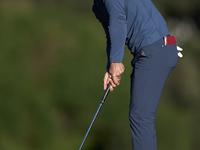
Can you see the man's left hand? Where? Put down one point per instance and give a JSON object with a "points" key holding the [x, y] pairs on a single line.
{"points": [[115, 72]]}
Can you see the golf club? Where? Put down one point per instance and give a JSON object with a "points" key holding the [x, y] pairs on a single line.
{"points": [[101, 103]]}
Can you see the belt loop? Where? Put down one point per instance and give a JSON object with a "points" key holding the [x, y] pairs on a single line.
{"points": [[165, 39]]}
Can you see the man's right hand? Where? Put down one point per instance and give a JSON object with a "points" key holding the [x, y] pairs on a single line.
{"points": [[113, 76]]}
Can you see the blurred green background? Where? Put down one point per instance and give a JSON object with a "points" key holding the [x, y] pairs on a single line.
{"points": [[52, 62]]}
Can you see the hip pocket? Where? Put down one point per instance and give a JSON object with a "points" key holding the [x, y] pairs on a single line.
{"points": [[172, 55]]}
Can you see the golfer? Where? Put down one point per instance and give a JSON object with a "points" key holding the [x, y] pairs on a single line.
{"points": [[139, 25]]}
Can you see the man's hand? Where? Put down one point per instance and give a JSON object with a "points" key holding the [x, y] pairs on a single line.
{"points": [[114, 75]]}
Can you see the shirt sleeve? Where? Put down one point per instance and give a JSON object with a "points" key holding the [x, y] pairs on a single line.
{"points": [[117, 29]]}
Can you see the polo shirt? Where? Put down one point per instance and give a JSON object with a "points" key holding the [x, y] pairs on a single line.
{"points": [[136, 23]]}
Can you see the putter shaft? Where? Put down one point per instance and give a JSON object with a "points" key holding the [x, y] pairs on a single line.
{"points": [[101, 103], [90, 125]]}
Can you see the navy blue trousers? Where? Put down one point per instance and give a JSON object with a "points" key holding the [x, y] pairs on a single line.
{"points": [[151, 68]]}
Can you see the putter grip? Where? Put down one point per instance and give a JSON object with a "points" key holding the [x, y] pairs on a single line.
{"points": [[106, 93]]}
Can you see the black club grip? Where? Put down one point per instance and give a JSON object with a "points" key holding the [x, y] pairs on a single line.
{"points": [[106, 93]]}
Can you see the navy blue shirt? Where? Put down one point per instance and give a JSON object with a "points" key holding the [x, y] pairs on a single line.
{"points": [[136, 23]]}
